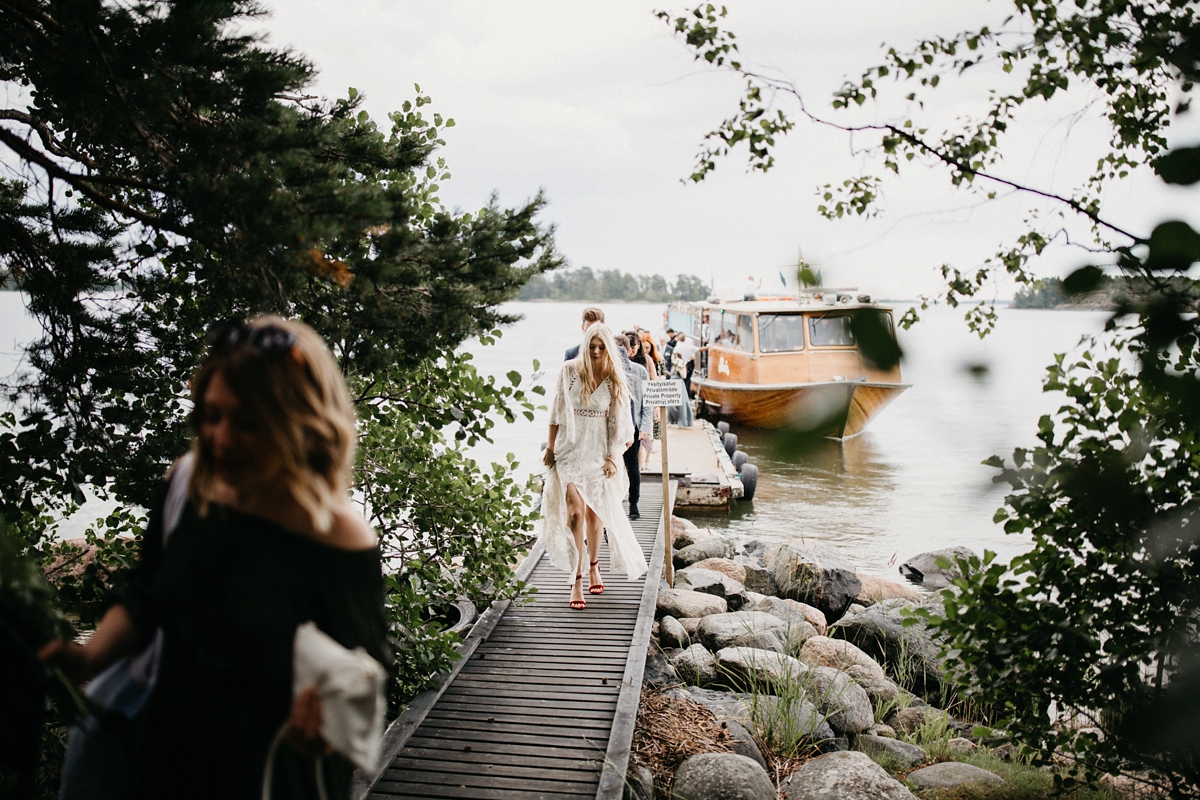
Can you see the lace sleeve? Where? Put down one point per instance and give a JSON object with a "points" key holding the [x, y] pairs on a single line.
{"points": [[560, 408]]}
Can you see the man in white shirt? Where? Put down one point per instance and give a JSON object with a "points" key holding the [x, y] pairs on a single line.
{"points": [[686, 352]]}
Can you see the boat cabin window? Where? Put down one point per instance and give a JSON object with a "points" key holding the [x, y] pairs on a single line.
{"points": [[833, 331], [735, 332], [780, 333]]}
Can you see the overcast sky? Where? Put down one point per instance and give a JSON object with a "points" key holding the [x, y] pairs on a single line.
{"points": [[601, 107]]}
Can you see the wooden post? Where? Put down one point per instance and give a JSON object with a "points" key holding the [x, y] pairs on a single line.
{"points": [[668, 535]]}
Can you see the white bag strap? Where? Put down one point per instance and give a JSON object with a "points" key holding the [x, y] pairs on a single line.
{"points": [[177, 493]]}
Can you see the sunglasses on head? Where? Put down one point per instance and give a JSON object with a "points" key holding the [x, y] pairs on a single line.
{"points": [[266, 340]]}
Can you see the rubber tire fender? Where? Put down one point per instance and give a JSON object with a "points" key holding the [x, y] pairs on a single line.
{"points": [[749, 481]]}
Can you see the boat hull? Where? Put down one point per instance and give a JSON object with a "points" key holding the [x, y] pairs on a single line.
{"points": [[839, 409]]}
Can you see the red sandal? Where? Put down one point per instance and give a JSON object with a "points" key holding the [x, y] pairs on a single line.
{"points": [[578, 605], [595, 588]]}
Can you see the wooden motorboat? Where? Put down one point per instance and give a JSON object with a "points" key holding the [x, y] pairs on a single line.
{"points": [[789, 362]]}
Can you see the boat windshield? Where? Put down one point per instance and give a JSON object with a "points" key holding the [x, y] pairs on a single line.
{"points": [[832, 331], [780, 333]]}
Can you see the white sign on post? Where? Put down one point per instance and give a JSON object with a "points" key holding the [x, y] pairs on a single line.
{"points": [[662, 393]]}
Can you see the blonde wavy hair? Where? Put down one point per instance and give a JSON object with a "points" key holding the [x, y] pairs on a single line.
{"points": [[611, 370], [299, 403]]}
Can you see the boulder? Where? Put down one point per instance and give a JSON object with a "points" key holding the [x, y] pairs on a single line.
{"points": [[879, 729], [908, 652], [821, 651], [721, 776], [690, 624], [952, 774], [672, 634], [639, 783], [744, 629], [925, 571], [793, 611], [848, 775], [914, 717], [695, 665], [879, 687], [725, 566], [961, 745], [875, 589], [844, 703], [907, 755], [814, 575], [755, 548], [753, 599], [725, 705], [742, 668], [789, 718], [712, 582], [717, 547], [684, 533], [658, 673], [743, 742], [680, 603], [759, 579]]}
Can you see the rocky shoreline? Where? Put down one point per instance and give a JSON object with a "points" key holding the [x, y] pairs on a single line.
{"points": [[790, 647]]}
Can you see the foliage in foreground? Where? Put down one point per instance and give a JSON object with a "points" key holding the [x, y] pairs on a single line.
{"points": [[1099, 620], [173, 172]]}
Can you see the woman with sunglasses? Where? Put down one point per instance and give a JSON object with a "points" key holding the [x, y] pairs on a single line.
{"points": [[591, 427], [267, 540]]}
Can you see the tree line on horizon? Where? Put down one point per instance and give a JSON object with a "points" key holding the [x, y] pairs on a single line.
{"points": [[612, 284], [1109, 292]]}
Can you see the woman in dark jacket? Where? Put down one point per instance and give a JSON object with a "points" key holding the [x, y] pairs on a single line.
{"points": [[268, 540]]}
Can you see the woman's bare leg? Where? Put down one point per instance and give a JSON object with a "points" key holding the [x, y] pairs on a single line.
{"points": [[577, 514], [595, 532]]}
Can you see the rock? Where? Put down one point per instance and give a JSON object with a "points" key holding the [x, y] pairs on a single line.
{"points": [[742, 668], [712, 582], [879, 729], [655, 630], [875, 589], [759, 579], [907, 755], [755, 548], [924, 569], [743, 743], [744, 629], [672, 634], [821, 651], [725, 566], [680, 603], [793, 611], [721, 776], [855, 608], [725, 705], [951, 774], [834, 744], [717, 547], [844, 703], [1004, 752], [684, 533], [695, 665], [961, 745], [659, 673], [753, 599], [878, 687], [814, 575], [848, 775], [788, 718], [907, 651], [911, 718], [690, 624], [639, 783]]}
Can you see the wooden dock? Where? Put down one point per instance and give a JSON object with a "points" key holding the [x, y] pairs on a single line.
{"points": [[697, 460], [543, 701]]}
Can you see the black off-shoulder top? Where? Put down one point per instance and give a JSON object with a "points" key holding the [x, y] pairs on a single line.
{"points": [[229, 590]]}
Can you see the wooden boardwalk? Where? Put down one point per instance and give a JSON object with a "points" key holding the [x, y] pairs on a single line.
{"points": [[544, 700]]}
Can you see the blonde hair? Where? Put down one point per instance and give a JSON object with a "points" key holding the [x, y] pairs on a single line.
{"points": [[300, 405], [610, 370]]}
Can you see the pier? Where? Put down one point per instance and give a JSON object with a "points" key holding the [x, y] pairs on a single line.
{"points": [[543, 700]]}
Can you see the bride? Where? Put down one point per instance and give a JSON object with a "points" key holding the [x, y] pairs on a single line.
{"points": [[591, 426]]}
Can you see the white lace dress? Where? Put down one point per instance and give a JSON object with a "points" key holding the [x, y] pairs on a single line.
{"points": [[587, 434]]}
